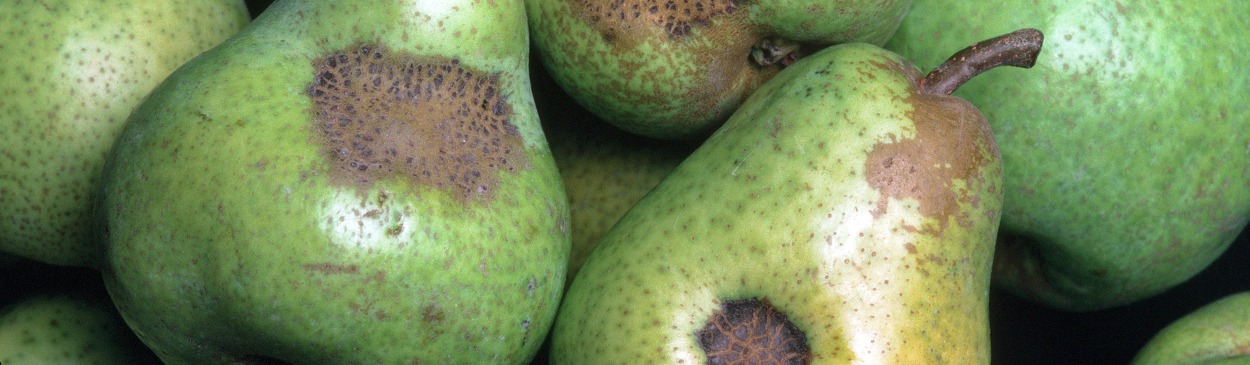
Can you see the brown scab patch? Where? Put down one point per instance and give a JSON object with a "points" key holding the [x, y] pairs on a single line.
{"points": [[429, 120], [752, 331], [677, 17], [952, 142]]}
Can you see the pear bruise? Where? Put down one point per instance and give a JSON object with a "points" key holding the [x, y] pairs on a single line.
{"points": [[752, 331], [429, 120]]}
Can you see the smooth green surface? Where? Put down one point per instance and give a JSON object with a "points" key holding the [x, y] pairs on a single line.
{"points": [[1217, 333], [1126, 149], [67, 329], [70, 73], [777, 205], [644, 79], [229, 242]]}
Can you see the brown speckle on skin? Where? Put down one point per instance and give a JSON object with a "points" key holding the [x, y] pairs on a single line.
{"points": [[332, 268], [430, 120], [677, 17]]}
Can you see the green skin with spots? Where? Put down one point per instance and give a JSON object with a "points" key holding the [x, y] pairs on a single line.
{"points": [[1126, 148], [1216, 334], [648, 81], [70, 73], [230, 243], [68, 329], [778, 205]]}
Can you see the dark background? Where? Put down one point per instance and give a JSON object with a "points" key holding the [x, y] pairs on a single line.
{"points": [[1022, 333]]}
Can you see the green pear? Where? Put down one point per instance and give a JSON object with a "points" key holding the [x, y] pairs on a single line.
{"points": [[1126, 151], [677, 69], [342, 183], [1217, 333], [845, 214], [68, 328], [70, 73], [605, 170]]}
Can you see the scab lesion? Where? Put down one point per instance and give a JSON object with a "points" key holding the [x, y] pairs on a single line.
{"points": [[752, 331], [677, 17], [429, 120]]}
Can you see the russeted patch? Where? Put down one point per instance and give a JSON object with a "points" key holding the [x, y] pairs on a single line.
{"points": [[429, 120]]}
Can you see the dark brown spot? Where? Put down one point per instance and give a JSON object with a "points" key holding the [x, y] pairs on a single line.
{"points": [[395, 230], [952, 142], [752, 331], [429, 120], [432, 314]]}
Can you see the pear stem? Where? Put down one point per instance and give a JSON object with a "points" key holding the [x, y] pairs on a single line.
{"points": [[1019, 48], [770, 51]]}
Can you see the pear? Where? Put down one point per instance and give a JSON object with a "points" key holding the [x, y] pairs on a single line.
{"points": [[62, 330], [66, 322], [846, 213], [677, 69], [1126, 151], [1217, 333], [70, 73], [605, 170], [342, 183]]}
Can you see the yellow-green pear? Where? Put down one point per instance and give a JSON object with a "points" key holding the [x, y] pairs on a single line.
{"points": [[70, 73], [846, 214]]}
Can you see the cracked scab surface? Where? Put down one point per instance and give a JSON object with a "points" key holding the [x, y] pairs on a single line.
{"points": [[429, 120], [752, 331], [677, 17]]}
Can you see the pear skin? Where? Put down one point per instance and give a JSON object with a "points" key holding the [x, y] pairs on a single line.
{"points": [[71, 71], [342, 183], [845, 214]]}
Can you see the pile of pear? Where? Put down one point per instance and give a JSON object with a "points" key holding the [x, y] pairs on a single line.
{"points": [[590, 181], [1126, 171]]}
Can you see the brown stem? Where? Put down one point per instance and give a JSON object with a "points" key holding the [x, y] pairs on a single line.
{"points": [[770, 51], [1018, 48]]}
